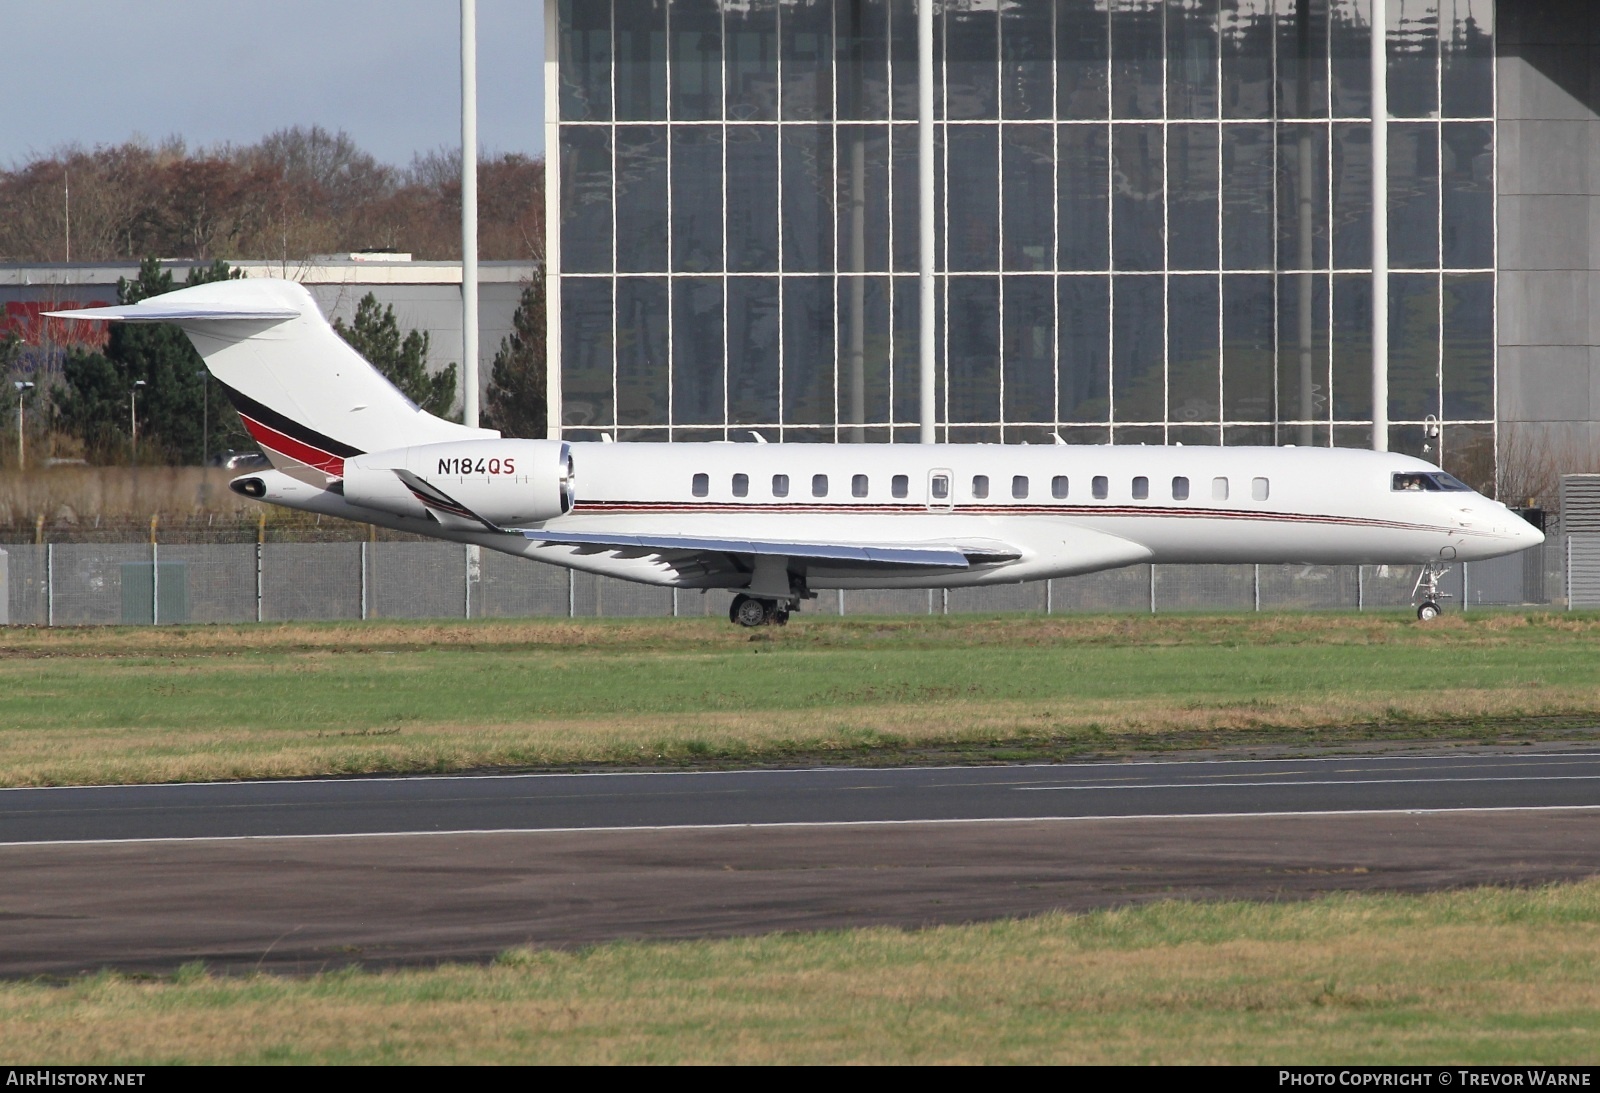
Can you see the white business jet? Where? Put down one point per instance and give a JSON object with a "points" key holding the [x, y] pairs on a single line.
{"points": [[776, 523]]}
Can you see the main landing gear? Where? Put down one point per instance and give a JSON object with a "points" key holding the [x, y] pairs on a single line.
{"points": [[754, 611], [1426, 592]]}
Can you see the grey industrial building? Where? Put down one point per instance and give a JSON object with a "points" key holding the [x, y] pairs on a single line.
{"points": [[1153, 221], [425, 295]]}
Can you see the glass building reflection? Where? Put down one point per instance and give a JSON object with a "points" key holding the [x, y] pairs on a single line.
{"points": [[1153, 220]]}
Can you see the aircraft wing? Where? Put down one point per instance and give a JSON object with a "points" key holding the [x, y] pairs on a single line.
{"points": [[946, 555]]}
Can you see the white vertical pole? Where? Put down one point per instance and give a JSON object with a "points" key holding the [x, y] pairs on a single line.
{"points": [[552, 221], [50, 584], [258, 580], [1255, 583], [1361, 591], [155, 583], [1380, 226], [925, 213], [1152, 588], [469, 211], [363, 580]]}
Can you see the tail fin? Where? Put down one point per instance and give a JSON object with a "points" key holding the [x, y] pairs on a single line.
{"points": [[309, 399]]}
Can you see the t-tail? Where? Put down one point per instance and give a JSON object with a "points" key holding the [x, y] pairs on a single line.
{"points": [[330, 421], [309, 400]]}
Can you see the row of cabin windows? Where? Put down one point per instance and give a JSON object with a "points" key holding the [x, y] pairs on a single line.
{"points": [[939, 487]]}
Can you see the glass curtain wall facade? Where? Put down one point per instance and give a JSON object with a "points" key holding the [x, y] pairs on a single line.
{"points": [[1153, 220]]}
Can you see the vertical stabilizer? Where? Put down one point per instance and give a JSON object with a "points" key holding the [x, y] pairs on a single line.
{"points": [[307, 397]]}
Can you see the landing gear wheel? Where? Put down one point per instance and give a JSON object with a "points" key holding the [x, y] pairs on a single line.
{"points": [[1425, 593], [747, 611]]}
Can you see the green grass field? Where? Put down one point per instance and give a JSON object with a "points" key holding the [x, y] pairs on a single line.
{"points": [[201, 702], [1475, 977]]}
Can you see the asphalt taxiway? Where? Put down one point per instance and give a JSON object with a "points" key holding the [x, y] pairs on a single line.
{"points": [[300, 875]]}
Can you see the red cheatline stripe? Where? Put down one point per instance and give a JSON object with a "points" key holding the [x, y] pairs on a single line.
{"points": [[1075, 512], [288, 446]]}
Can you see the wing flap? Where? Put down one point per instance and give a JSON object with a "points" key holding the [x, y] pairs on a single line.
{"points": [[937, 555]]}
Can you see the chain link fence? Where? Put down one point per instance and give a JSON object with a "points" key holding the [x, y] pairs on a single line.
{"points": [[73, 584]]}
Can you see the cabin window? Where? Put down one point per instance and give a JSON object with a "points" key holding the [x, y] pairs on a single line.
{"points": [[939, 486], [858, 486], [1219, 489], [1102, 487], [1141, 488], [980, 486], [900, 485], [702, 485], [1180, 489], [1058, 487], [819, 485], [1019, 486], [741, 485], [780, 485], [1259, 488]]}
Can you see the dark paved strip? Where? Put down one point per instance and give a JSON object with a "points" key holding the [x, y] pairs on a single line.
{"points": [[534, 802], [301, 905]]}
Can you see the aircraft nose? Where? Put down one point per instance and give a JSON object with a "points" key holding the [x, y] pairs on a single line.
{"points": [[1527, 534]]}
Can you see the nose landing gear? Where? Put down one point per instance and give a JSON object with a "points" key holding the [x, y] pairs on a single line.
{"points": [[1426, 590], [754, 611]]}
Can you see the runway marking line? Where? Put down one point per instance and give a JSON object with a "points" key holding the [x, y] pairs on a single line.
{"points": [[799, 824], [1327, 782]]}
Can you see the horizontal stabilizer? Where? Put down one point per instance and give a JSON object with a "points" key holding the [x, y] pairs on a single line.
{"points": [[943, 555], [154, 310]]}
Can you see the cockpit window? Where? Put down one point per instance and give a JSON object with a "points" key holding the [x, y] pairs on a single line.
{"points": [[1428, 481]]}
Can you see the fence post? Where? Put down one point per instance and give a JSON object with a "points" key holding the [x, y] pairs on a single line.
{"points": [[841, 603], [1256, 584], [674, 602], [363, 580], [1152, 588], [155, 575], [261, 539], [1361, 599], [471, 555], [1466, 596], [50, 584], [1049, 597], [572, 594], [944, 601]]}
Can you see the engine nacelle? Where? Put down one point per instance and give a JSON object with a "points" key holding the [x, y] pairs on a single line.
{"points": [[509, 483]]}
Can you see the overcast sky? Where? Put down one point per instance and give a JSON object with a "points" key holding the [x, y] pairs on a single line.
{"points": [[385, 71]]}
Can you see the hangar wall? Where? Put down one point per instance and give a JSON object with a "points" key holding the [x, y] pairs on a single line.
{"points": [[1549, 211]]}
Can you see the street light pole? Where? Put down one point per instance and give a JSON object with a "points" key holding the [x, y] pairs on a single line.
{"points": [[205, 417], [22, 386], [133, 421]]}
